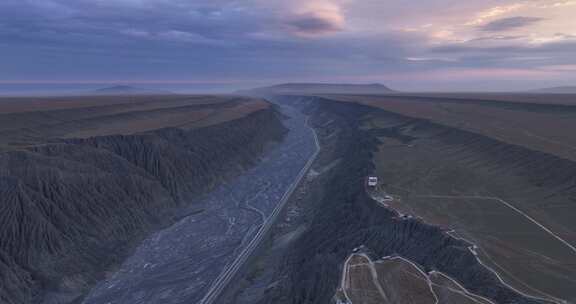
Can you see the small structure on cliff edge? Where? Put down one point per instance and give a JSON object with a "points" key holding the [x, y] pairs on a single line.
{"points": [[372, 181]]}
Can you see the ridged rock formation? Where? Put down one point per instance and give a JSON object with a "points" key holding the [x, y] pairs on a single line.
{"points": [[72, 209], [344, 217]]}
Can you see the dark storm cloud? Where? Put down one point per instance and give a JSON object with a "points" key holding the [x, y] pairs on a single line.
{"points": [[510, 23]]}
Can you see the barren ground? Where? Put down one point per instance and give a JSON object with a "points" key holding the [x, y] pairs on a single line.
{"points": [[538, 122], [31, 121], [510, 202], [395, 280]]}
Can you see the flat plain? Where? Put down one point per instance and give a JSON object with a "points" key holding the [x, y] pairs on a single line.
{"points": [[499, 174], [27, 121], [395, 280], [83, 180], [449, 291], [540, 122]]}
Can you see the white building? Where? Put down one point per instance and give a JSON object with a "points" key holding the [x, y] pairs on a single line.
{"points": [[372, 181]]}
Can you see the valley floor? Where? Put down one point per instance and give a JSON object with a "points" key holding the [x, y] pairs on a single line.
{"points": [[179, 264], [337, 244]]}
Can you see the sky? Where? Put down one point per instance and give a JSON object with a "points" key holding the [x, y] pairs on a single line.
{"points": [[424, 45]]}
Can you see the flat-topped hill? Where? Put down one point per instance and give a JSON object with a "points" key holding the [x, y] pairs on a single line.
{"points": [[319, 88], [29, 121]]}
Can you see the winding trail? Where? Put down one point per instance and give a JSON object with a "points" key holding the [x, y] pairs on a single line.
{"points": [[473, 249], [572, 248], [344, 285]]}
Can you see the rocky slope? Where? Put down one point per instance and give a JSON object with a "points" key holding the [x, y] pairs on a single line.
{"points": [[72, 209], [334, 215]]}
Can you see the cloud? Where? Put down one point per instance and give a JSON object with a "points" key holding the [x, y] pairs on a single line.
{"points": [[496, 37], [182, 36], [509, 23], [174, 36], [558, 3], [278, 39], [496, 11], [314, 24], [557, 48], [313, 18], [135, 33], [560, 68]]}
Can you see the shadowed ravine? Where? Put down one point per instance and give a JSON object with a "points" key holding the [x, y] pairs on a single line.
{"points": [[75, 208], [336, 215], [180, 263], [183, 205]]}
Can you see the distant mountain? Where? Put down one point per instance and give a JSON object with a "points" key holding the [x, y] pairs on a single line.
{"points": [[320, 88], [128, 90], [558, 90]]}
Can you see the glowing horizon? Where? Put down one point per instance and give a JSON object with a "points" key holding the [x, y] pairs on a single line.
{"points": [[432, 44]]}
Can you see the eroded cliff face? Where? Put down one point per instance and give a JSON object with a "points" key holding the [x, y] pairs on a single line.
{"points": [[323, 226], [71, 209]]}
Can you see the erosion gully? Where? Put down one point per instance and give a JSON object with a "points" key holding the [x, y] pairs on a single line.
{"points": [[301, 260], [332, 216], [181, 263]]}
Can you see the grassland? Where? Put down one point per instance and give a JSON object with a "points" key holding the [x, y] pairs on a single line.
{"points": [[359, 284], [539, 122], [487, 97], [30, 121], [443, 163], [524, 254], [395, 280], [448, 291]]}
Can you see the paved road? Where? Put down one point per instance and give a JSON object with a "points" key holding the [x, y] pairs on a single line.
{"points": [[182, 263], [225, 277]]}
